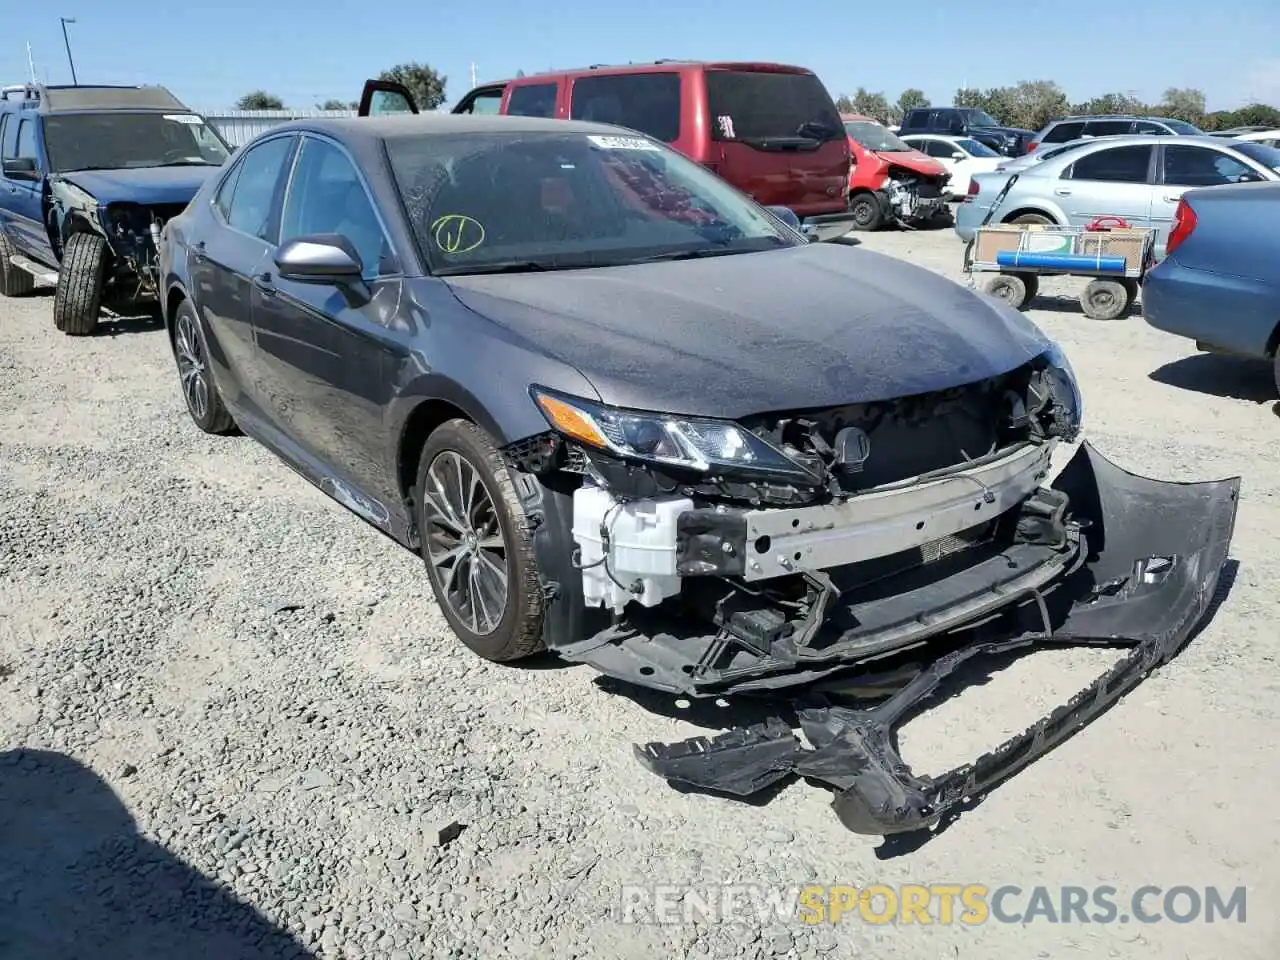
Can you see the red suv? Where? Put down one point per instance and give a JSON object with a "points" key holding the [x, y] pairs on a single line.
{"points": [[771, 130]]}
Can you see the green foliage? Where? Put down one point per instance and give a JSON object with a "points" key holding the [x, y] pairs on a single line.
{"points": [[336, 105], [259, 100], [422, 81]]}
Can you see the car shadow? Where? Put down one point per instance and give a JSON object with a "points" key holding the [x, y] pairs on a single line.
{"points": [[715, 716], [78, 881], [1237, 378], [1062, 303]]}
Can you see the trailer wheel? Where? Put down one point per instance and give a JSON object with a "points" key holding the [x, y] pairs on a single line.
{"points": [[1104, 299], [1009, 287], [866, 212]]}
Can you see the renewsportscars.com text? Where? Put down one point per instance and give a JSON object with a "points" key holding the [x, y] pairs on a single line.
{"points": [[941, 904]]}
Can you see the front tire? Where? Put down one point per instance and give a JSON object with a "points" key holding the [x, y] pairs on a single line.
{"points": [[199, 390], [866, 212], [478, 545], [80, 280], [13, 281], [1031, 218]]}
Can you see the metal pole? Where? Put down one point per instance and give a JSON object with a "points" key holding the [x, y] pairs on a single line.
{"points": [[65, 21]]}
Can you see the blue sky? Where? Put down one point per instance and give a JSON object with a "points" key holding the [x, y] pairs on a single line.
{"points": [[310, 51]]}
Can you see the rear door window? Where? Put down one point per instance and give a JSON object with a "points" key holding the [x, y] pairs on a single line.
{"points": [[1064, 132], [1117, 165], [1107, 128], [647, 102], [760, 105], [26, 139], [1150, 127], [1189, 166], [532, 100]]}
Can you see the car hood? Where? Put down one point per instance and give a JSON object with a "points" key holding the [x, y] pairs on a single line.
{"points": [[799, 328], [144, 185], [913, 160]]}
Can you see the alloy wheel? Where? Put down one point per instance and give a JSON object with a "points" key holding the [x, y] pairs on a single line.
{"points": [[464, 542], [191, 366]]}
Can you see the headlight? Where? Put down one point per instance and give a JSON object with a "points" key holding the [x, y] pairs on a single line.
{"points": [[1064, 379], [692, 443]]}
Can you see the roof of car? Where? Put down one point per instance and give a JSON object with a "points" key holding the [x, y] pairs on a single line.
{"points": [[1131, 139], [1110, 116], [77, 98], [399, 126]]}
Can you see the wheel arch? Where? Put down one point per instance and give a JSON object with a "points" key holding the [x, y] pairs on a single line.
{"points": [[1038, 211], [425, 412]]}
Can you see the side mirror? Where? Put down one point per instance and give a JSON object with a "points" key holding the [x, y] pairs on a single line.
{"points": [[21, 168], [787, 216], [959, 155], [320, 258], [1249, 177]]}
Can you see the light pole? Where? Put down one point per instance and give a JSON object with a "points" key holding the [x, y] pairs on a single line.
{"points": [[65, 21]]}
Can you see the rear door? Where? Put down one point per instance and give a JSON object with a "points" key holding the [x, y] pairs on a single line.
{"points": [[1114, 182], [537, 98], [381, 97], [776, 134]]}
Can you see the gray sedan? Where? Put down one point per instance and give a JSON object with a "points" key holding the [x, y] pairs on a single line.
{"points": [[1138, 177]]}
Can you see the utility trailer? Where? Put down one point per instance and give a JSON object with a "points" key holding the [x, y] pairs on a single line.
{"points": [[1115, 254]]}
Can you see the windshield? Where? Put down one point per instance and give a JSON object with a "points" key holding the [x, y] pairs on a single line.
{"points": [[976, 149], [980, 118], [872, 136], [1259, 153], [1183, 129], [757, 105], [492, 202], [117, 141]]}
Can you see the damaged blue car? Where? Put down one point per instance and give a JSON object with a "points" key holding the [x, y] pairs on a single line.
{"points": [[90, 174]]}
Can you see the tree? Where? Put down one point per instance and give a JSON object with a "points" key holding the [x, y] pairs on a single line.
{"points": [[873, 105], [844, 104], [259, 100], [910, 99], [422, 81], [1183, 104], [1111, 104], [336, 105], [519, 73]]}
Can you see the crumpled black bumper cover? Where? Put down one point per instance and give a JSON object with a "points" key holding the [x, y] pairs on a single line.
{"points": [[1156, 552]]}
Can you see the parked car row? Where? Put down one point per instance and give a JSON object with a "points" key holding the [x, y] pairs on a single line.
{"points": [[1136, 177]]}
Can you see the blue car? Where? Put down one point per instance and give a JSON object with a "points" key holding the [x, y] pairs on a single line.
{"points": [[1219, 283], [88, 177]]}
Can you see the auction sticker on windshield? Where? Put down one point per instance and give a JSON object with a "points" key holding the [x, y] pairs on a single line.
{"points": [[183, 117], [622, 143]]}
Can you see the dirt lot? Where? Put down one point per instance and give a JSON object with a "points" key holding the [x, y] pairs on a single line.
{"points": [[232, 722]]}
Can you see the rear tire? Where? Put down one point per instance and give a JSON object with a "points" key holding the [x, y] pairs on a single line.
{"points": [[80, 280], [866, 212], [478, 544], [14, 282]]}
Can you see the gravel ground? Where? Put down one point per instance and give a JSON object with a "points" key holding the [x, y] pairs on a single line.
{"points": [[233, 724]]}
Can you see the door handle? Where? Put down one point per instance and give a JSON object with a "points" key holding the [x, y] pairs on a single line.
{"points": [[1060, 192], [1172, 197], [198, 250], [263, 282]]}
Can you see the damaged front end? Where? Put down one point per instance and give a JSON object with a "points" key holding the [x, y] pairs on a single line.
{"points": [[912, 198], [131, 231], [796, 551]]}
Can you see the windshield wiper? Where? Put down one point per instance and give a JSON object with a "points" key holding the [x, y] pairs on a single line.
{"points": [[190, 163], [523, 266], [689, 255]]}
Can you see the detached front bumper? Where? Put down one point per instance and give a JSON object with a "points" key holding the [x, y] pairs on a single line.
{"points": [[1151, 556]]}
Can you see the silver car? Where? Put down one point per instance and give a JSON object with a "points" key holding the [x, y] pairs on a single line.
{"points": [[1138, 177]]}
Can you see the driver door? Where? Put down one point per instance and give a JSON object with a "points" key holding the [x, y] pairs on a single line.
{"points": [[383, 97]]}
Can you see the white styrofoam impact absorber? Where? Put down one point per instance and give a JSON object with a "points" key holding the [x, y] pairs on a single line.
{"points": [[642, 547]]}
